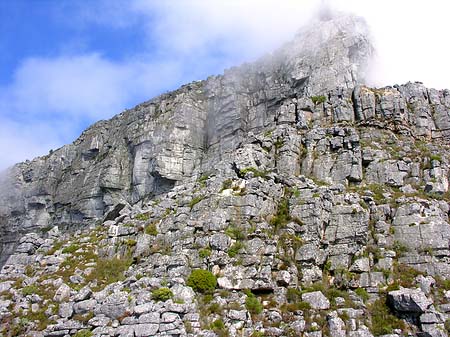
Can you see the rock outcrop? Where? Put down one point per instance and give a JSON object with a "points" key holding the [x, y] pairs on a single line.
{"points": [[313, 204], [147, 150]]}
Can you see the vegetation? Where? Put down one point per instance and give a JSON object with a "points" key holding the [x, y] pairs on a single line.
{"points": [[226, 184], [400, 248], [151, 229], [282, 216], [71, 249], [447, 324], [361, 292], [235, 232], [56, 246], [235, 248], [218, 326], [318, 99], [162, 294], [204, 253], [202, 180], [436, 157], [195, 201], [108, 271], [253, 304], [255, 171], [383, 321], [202, 281], [83, 333], [142, 217], [30, 290], [293, 295], [279, 143], [404, 275]]}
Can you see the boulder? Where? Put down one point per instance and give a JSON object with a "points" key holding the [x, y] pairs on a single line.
{"points": [[316, 300], [409, 300]]}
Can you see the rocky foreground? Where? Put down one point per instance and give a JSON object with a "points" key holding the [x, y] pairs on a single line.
{"points": [[305, 204]]}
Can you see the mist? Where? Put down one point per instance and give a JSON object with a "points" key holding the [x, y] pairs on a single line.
{"points": [[51, 99]]}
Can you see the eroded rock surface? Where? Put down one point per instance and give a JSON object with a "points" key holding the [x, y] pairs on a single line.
{"points": [[319, 205]]}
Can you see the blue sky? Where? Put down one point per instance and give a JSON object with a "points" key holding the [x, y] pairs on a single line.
{"points": [[68, 63]]}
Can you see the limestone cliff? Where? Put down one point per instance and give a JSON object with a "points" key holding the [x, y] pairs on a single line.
{"points": [[147, 150], [319, 206]]}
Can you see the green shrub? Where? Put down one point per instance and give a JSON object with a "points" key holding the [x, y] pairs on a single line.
{"points": [[215, 308], [131, 243], [279, 143], [442, 283], [235, 248], [293, 295], [235, 232], [287, 240], [377, 190], [383, 321], [361, 292], [30, 290], [142, 217], [400, 248], [253, 304], [447, 324], [255, 171], [218, 326], [318, 99], [195, 201], [436, 157], [29, 271], [226, 184], [162, 294], [257, 334], [202, 180], [83, 318], [151, 229], [83, 333], [282, 216], [302, 305], [405, 275], [109, 271], [71, 249], [202, 281], [204, 253]]}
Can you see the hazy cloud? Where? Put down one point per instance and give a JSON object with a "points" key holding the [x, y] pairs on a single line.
{"points": [[50, 100], [410, 39]]}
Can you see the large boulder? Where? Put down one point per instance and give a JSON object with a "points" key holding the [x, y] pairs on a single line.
{"points": [[409, 300], [316, 300]]}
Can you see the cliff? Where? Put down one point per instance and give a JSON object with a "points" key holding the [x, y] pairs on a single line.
{"points": [[317, 203]]}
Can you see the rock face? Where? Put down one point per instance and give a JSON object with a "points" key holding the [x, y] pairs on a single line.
{"points": [[308, 196], [147, 150], [409, 300]]}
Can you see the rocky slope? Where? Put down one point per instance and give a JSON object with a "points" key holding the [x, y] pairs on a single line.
{"points": [[311, 204]]}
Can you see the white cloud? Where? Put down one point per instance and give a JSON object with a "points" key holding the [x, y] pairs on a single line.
{"points": [[234, 28], [410, 39], [50, 100], [20, 141], [190, 39]]}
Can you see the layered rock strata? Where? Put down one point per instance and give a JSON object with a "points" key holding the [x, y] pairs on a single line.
{"points": [[319, 205]]}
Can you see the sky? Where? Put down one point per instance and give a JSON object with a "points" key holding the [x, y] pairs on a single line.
{"points": [[65, 64]]}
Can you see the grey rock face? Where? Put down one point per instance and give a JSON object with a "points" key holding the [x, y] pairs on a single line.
{"points": [[282, 178], [147, 150], [84, 306], [317, 300], [409, 300]]}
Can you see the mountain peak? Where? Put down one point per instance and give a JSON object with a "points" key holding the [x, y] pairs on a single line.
{"points": [[332, 52]]}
